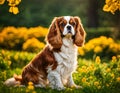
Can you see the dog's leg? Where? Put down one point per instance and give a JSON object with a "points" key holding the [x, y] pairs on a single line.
{"points": [[71, 83], [55, 80], [39, 85]]}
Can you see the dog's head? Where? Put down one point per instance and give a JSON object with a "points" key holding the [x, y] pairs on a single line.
{"points": [[66, 26]]}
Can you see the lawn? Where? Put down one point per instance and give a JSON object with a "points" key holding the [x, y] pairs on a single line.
{"points": [[95, 76]]}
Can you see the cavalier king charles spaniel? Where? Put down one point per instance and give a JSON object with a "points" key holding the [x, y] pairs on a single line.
{"points": [[54, 65]]}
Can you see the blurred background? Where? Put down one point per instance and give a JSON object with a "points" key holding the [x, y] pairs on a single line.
{"points": [[30, 25], [41, 12]]}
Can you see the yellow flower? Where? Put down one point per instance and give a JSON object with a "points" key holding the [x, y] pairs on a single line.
{"points": [[104, 64], [81, 51], [113, 0], [99, 87], [9, 63], [16, 57], [90, 68], [30, 87], [91, 77], [112, 75], [88, 84], [106, 8], [118, 56], [114, 59], [110, 40], [33, 45], [88, 46], [92, 65], [107, 85], [13, 2], [96, 83], [111, 6], [14, 10], [4, 74], [30, 83], [17, 2], [3, 51], [107, 1], [97, 49], [83, 79], [98, 60], [34, 92], [118, 79], [2, 2], [108, 70], [118, 69], [83, 67]]}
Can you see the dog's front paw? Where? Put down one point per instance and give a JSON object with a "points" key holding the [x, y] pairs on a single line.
{"points": [[58, 88], [76, 86]]}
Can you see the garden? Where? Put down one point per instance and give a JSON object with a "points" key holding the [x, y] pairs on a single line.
{"points": [[98, 62], [24, 26]]}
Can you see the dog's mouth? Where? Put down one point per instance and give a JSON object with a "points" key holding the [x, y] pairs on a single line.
{"points": [[68, 35], [69, 31]]}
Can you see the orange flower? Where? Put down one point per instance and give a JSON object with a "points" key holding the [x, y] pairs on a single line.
{"points": [[118, 79], [2, 2]]}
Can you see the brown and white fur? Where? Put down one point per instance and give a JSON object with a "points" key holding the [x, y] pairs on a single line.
{"points": [[55, 64]]}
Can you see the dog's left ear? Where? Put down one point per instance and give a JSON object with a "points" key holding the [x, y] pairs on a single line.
{"points": [[54, 35], [80, 34]]}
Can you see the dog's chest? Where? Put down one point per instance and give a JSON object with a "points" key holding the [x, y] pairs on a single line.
{"points": [[67, 58]]}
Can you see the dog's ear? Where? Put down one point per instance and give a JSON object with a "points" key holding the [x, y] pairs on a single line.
{"points": [[80, 34], [54, 35]]}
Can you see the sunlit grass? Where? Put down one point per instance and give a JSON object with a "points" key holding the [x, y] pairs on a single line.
{"points": [[95, 76]]}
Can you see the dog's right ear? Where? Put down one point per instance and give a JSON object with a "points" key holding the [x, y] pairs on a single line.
{"points": [[80, 35], [54, 35]]}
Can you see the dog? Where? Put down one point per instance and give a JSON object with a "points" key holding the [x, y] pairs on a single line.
{"points": [[54, 65]]}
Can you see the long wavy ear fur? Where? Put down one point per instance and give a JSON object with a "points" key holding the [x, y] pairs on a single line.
{"points": [[54, 35], [80, 33]]}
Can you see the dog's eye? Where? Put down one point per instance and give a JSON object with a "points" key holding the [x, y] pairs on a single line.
{"points": [[73, 24], [62, 24]]}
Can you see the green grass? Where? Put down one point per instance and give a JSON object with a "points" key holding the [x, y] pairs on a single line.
{"points": [[95, 76]]}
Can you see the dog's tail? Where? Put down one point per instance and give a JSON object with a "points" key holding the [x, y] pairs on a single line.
{"points": [[14, 81]]}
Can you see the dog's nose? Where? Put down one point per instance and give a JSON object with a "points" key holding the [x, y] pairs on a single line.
{"points": [[68, 27]]}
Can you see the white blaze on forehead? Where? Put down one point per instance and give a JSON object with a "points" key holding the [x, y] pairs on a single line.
{"points": [[67, 18], [65, 32]]}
